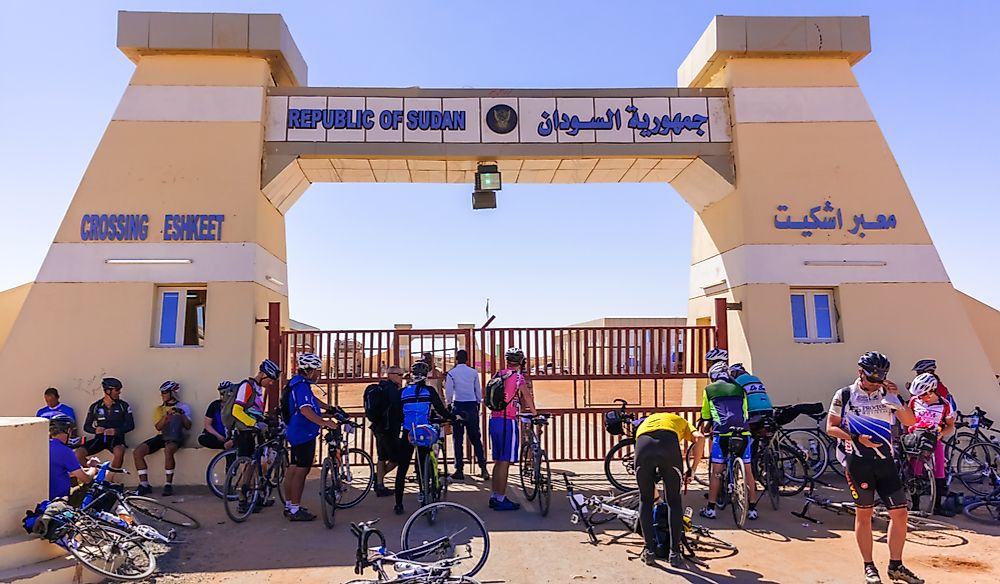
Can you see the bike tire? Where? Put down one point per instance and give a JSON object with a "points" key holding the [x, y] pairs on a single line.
{"points": [[329, 491], [773, 478], [979, 467], [356, 478], [525, 469], [833, 461], [956, 444], [543, 481], [159, 512], [409, 540], [986, 511], [430, 491], [215, 473], [697, 476], [237, 471], [793, 471], [100, 548], [811, 445], [276, 475], [619, 465], [926, 485], [741, 493]]}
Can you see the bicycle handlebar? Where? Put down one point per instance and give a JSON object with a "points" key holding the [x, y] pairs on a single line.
{"points": [[622, 402]]}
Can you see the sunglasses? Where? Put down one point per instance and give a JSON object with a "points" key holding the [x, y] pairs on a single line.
{"points": [[871, 379]]}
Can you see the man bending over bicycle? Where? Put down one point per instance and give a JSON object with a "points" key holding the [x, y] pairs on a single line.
{"points": [[417, 398], [658, 455], [725, 407]]}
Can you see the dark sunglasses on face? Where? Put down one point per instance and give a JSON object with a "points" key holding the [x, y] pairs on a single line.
{"points": [[871, 379]]}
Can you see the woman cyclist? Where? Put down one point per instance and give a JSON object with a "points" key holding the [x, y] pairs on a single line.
{"points": [[935, 414]]}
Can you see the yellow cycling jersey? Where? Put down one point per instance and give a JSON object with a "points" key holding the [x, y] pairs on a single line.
{"points": [[667, 421]]}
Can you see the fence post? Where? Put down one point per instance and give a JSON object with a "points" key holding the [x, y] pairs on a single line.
{"points": [[721, 324], [274, 347]]}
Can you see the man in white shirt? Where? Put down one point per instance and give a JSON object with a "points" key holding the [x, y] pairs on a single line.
{"points": [[464, 393]]}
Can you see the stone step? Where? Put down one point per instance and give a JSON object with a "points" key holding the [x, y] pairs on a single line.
{"points": [[23, 550], [61, 570]]}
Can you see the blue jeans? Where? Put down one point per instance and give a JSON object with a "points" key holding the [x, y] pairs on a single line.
{"points": [[470, 411]]}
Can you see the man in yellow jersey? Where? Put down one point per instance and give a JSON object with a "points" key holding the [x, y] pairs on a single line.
{"points": [[658, 455]]}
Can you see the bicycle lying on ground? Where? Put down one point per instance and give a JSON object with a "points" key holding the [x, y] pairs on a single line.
{"points": [[347, 474], [600, 509], [454, 554], [914, 522], [150, 519], [107, 550], [251, 481], [536, 477]]}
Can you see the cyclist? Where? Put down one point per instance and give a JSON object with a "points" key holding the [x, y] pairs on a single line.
{"points": [[171, 419], [386, 415], [215, 435], [54, 409], [504, 432], [862, 415], [725, 406], [63, 464], [303, 428], [248, 413], [936, 415], [108, 419], [417, 400], [930, 366], [658, 455]]}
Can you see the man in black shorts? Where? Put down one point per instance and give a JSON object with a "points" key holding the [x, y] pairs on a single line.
{"points": [[387, 428], [862, 415], [108, 419], [172, 420], [658, 456]]}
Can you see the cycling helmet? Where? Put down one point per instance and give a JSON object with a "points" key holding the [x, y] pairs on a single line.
{"points": [[109, 383], [169, 385], [923, 383], [419, 371], [925, 366], [875, 365], [717, 354], [309, 361], [514, 355], [60, 425], [737, 369], [270, 368], [225, 386], [719, 372]]}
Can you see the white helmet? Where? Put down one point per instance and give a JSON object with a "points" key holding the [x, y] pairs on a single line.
{"points": [[309, 361], [923, 383], [717, 354]]}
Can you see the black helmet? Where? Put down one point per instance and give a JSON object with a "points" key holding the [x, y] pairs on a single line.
{"points": [[109, 383], [419, 371], [60, 425], [875, 365]]}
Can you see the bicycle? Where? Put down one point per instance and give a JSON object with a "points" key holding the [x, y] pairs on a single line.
{"points": [[915, 465], [111, 504], [343, 484], [536, 477], [987, 510], [914, 522], [432, 560], [600, 509], [215, 473], [815, 445], [734, 490], [780, 468], [107, 550], [619, 462], [432, 480], [968, 452], [250, 481]]}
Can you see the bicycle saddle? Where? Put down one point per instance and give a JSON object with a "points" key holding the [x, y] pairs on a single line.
{"points": [[357, 528]]}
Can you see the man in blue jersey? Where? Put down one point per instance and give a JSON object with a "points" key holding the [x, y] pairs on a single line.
{"points": [[758, 402], [303, 428]]}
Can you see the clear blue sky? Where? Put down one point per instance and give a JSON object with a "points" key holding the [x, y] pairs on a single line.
{"points": [[373, 255]]}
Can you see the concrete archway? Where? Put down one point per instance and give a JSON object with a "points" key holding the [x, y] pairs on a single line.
{"points": [[795, 192]]}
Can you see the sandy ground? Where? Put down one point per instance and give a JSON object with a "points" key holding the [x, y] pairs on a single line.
{"points": [[527, 548]]}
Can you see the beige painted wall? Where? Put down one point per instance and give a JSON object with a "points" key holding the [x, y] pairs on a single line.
{"points": [[10, 307], [25, 478], [986, 321]]}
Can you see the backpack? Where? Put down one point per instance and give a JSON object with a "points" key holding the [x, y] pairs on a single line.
{"points": [[285, 404], [416, 414], [661, 529], [226, 411], [377, 404], [495, 392]]}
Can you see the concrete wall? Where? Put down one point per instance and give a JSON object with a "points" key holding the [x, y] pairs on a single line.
{"points": [[986, 322], [25, 477], [10, 307]]}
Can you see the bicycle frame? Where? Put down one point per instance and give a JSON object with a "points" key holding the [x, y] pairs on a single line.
{"points": [[405, 562]]}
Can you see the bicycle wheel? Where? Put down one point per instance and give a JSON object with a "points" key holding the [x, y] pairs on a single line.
{"points": [[526, 469], [793, 471], [619, 465], [920, 487], [772, 478], [956, 444], [275, 482], [986, 511], [154, 512], [215, 474], [812, 447], [740, 497], [329, 490], [464, 529], [833, 461], [979, 466], [543, 482], [109, 551], [242, 482], [357, 477], [706, 463]]}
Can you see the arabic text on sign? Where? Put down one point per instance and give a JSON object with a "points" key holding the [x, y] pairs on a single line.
{"points": [[832, 219]]}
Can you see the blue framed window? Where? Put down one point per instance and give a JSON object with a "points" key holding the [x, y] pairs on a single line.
{"points": [[814, 316], [180, 317]]}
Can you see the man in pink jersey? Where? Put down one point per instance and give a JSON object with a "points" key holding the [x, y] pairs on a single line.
{"points": [[505, 438]]}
